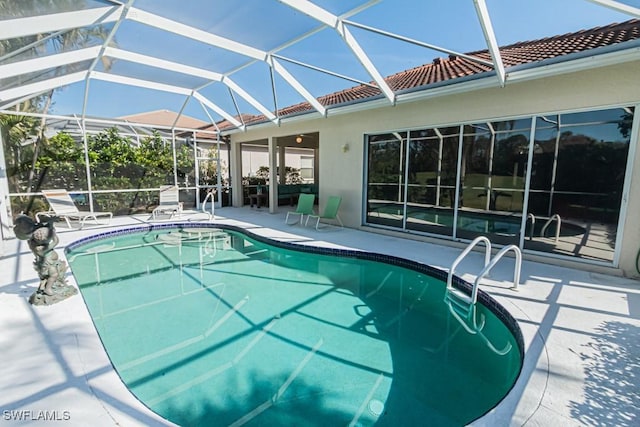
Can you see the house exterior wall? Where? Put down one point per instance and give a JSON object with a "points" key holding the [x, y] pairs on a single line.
{"points": [[341, 173]]}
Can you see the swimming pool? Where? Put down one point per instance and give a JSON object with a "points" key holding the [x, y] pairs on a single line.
{"points": [[213, 326]]}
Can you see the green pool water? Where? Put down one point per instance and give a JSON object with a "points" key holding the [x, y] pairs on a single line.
{"points": [[212, 327]]}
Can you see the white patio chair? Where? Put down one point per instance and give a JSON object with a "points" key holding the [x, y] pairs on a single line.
{"points": [[63, 207], [169, 202]]}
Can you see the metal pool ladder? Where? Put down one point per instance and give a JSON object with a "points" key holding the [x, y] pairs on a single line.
{"points": [[459, 300], [546, 225], [212, 215]]}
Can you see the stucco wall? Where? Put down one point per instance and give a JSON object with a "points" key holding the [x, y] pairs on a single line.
{"points": [[341, 173]]}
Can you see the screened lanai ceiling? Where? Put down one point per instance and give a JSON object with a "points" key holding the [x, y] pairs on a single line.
{"points": [[223, 61]]}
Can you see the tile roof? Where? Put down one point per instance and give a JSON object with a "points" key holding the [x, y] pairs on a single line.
{"points": [[165, 118], [453, 67]]}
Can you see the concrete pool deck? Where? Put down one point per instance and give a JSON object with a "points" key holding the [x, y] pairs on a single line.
{"points": [[580, 328]]}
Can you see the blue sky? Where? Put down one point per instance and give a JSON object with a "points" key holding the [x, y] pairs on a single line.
{"points": [[451, 24]]}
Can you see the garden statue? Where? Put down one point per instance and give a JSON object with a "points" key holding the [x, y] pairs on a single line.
{"points": [[42, 239]]}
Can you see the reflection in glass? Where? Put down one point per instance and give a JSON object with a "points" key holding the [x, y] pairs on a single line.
{"points": [[578, 169], [385, 187], [492, 180], [433, 156], [577, 176]]}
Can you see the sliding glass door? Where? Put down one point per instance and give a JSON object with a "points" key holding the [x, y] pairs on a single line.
{"points": [[492, 180], [577, 178], [385, 187], [560, 193], [431, 179]]}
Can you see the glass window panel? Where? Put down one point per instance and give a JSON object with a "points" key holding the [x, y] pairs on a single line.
{"points": [[577, 176], [612, 115], [493, 180], [423, 134], [512, 125], [474, 176], [448, 172], [544, 150], [509, 161], [598, 148], [580, 188], [306, 168], [385, 174], [429, 198], [550, 121]]}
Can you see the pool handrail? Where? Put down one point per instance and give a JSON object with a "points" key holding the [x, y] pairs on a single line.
{"points": [[210, 195], [549, 221], [469, 248], [494, 261]]}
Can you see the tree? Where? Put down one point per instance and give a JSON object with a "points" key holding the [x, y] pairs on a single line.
{"points": [[62, 164], [16, 132]]}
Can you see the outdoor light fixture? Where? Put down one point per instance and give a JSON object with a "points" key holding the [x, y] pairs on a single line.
{"points": [[299, 139]]}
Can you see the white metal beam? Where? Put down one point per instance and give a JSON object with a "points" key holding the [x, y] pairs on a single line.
{"points": [[619, 7], [40, 41], [146, 84], [313, 31], [298, 86], [213, 122], [195, 33], [17, 101], [152, 61], [250, 99], [218, 110], [41, 24], [366, 62], [418, 43], [43, 86], [314, 11], [323, 70], [490, 37], [185, 69], [336, 23], [46, 62], [107, 40]]}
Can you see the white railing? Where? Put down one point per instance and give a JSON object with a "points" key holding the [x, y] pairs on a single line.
{"points": [[212, 215], [461, 303], [494, 261], [473, 244], [470, 300]]}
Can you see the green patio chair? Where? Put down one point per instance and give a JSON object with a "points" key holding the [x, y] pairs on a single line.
{"points": [[330, 211], [305, 207]]}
